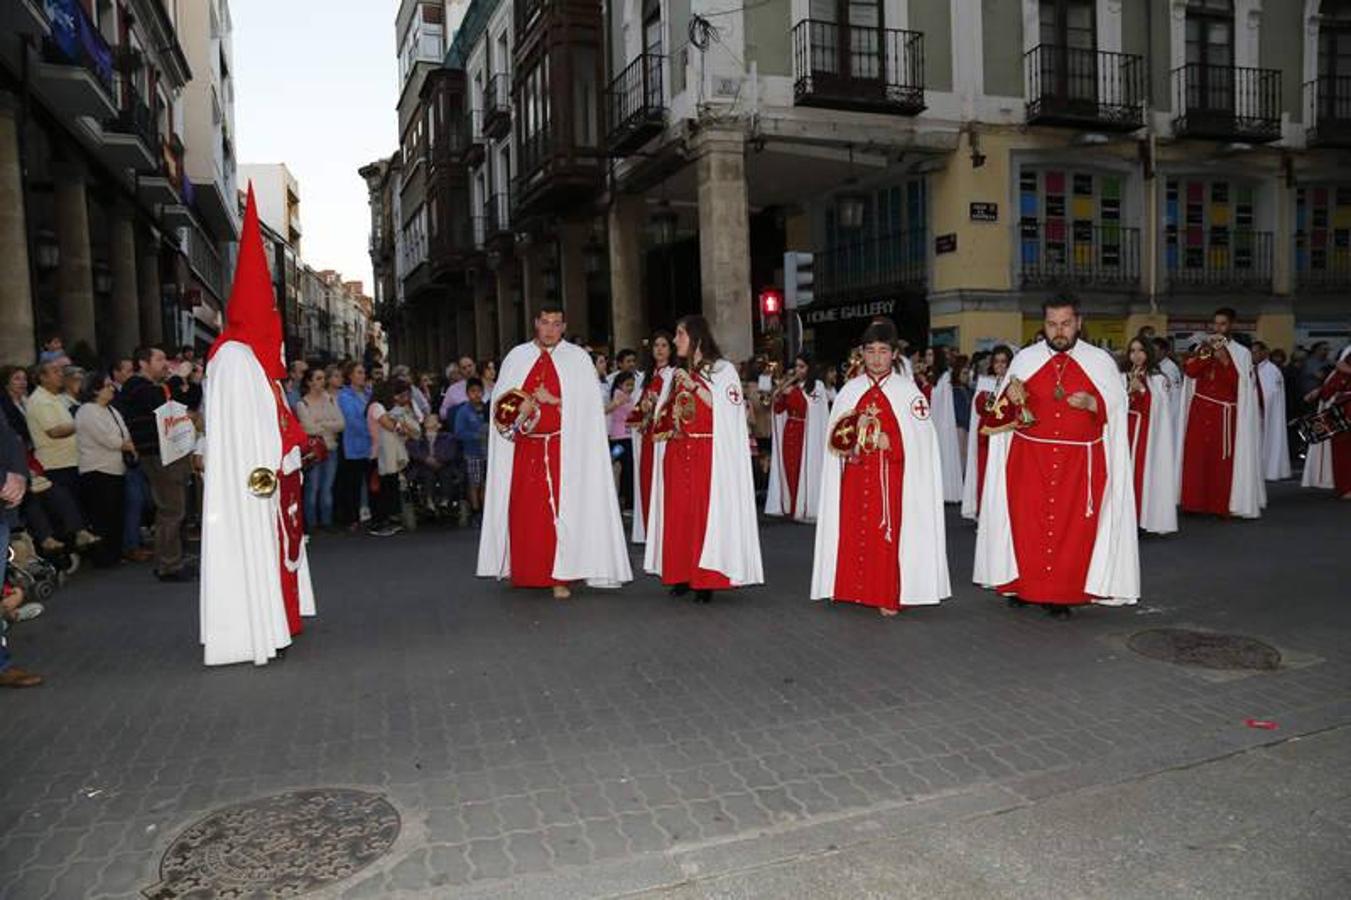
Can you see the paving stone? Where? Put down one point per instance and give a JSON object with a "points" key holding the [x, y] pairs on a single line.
{"points": [[568, 845], [528, 853], [605, 839], [488, 859]]}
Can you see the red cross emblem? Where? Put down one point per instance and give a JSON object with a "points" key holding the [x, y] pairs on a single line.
{"points": [[919, 408], [734, 394]]}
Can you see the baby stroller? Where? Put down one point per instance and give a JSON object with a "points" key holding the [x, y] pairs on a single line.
{"points": [[37, 577]]}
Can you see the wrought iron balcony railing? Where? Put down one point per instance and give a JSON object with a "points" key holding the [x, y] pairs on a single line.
{"points": [[1327, 102], [1085, 88], [636, 104], [1227, 103], [76, 40], [1218, 259], [1060, 252], [850, 67], [497, 105], [890, 262], [138, 119]]}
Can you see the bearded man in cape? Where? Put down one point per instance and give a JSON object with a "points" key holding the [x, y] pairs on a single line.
{"points": [[255, 576], [880, 533], [1057, 514], [550, 511]]}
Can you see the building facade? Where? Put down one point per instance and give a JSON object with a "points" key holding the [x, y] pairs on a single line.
{"points": [[949, 163]]}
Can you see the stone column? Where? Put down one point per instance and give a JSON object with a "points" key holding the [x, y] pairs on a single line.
{"points": [[17, 340], [724, 240], [532, 284], [508, 322], [626, 221], [125, 304], [151, 295], [466, 335], [572, 237], [485, 329], [74, 275]]}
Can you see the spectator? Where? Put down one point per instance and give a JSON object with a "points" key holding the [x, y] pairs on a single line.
{"points": [[455, 394], [121, 370], [355, 466], [14, 470], [471, 430], [295, 381], [625, 361], [377, 374], [72, 387], [145, 392], [52, 429], [488, 375], [617, 409], [54, 350], [14, 401], [432, 459], [421, 394], [391, 425], [105, 452], [319, 415]]}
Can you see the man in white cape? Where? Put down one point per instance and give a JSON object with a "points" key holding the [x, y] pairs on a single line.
{"points": [[779, 496], [561, 491], [1172, 373], [1275, 438], [949, 444], [255, 575], [1076, 509], [1241, 444], [912, 536]]}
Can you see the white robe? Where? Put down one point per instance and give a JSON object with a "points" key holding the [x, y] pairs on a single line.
{"points": [[922, 539], [1158, 506], [1114, 568], [1318, 457], [591, 545], [988, 384], [732, 536], [1275, 440], [949, 444], [1172, 373], [638, 533], [243, 618], [809, 467], [1248, 492]]}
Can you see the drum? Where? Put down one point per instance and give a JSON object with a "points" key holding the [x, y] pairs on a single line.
{"points": [[1323, 425]]}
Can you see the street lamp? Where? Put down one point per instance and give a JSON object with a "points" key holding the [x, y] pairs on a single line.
{"points": [[103, 278]]}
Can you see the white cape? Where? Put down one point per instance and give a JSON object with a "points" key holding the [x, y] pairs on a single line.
{"points": [[1114, 568], [1172, 373], [1248, 492], [970, 502], [639, 531], [1275, 440], [949, 445], [809, 468], [1318, 457], [922, 540], [1158, 505], [732, 536], [591, 545], [243, 618]]}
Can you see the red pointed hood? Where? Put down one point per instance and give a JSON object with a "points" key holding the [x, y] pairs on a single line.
{"points": [[251, 315]]}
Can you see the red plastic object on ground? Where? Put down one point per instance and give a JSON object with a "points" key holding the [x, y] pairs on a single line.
{"points": [[1263, 724]]}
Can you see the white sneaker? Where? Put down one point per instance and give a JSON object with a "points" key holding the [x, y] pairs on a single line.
{"points": [[29, 611]]}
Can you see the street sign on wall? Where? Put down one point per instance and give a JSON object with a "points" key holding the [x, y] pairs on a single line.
{"points": [[984, 212]]}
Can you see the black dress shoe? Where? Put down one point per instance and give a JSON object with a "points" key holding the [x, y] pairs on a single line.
{"points": [[1015, 603], [680, 590], [178, 575], [1056, 611], [703, 596]]}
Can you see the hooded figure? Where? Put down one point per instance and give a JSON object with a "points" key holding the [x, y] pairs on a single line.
{"points": [[255, 578]]}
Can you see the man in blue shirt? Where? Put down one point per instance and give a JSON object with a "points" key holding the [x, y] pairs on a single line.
{"points": [[355, 465]]}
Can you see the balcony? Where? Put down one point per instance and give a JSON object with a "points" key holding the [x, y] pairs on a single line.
{"points": [[1227, 103], [474, 151], [1080, 255], [131, 140], [1068, 86], [868, 268], [479, 226], [867, 69], [636, 105], [497, 106], [24, 18], [1328, 110], [1217, 259], [555, 175], [76, 75]]}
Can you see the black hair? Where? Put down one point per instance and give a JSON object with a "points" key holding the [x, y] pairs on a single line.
{"points": [[1228, 312], [92, 385], [880, 331], [145, 353], [622, 376], [702, 340], [625, 354], [809, 383], [1151, 357], [474, 382], [550, 306], [649, 358], [1060, 301]]}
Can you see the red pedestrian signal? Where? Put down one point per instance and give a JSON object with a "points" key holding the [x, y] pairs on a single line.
{"points": [[771, 302]]}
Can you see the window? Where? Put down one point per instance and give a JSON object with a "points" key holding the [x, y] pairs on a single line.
{"points": [[1209, 224], [890, 247], [1334, 60], [1070, 218], [846, 37], [1069, 23], [1323, 230], [1068, 58], [1210, 54], [586, 105]]}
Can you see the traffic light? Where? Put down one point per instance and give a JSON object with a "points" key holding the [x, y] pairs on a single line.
{"points": [[797, 279], [771, 302]]}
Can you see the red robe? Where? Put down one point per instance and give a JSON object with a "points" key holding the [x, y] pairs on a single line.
{"points": [[291, 508], [1338, 389], [531, 515], [793, 402], [983, 420], [1137, 419], [652, 390], [868, 567], [1208, 458], [1054, 496], [687, 474]]}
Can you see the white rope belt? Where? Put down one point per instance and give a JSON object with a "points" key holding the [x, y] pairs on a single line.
{"points": [[1135, 438], [1228, 429], [548, 469], [1088, 450]]}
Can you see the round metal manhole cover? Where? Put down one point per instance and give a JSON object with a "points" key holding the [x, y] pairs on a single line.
{"points": [[278, 846], [1205, 649]]}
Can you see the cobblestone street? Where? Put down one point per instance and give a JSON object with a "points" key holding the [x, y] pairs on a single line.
{"points": [[628, 741]]}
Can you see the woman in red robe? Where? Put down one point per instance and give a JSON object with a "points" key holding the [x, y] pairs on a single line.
{"points": [[1000, 357], [1139, 360], [790, 399], [1212, 426], [534, 504]]}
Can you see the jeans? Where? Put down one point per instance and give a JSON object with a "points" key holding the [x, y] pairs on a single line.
{"points": [[137, 490], [4, 561], [319, 480], [169, 489]]}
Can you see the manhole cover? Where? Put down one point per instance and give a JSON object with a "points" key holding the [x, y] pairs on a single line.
{"points": [[278, 846], [1200, 648]]}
